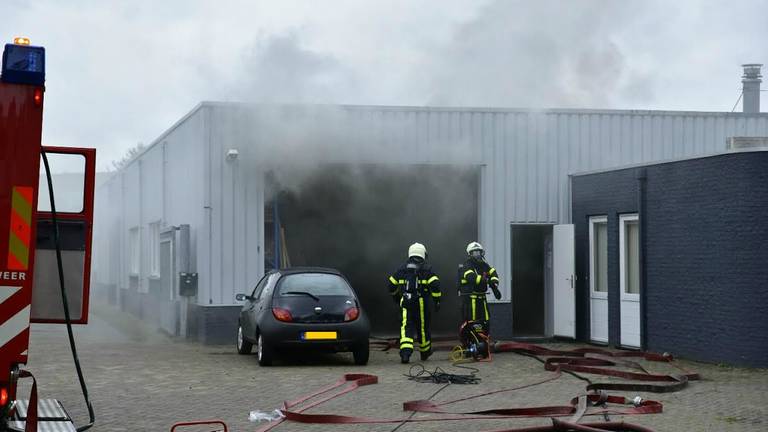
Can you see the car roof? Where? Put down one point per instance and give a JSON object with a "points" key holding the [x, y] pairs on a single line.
{"points": [[307, 269]]}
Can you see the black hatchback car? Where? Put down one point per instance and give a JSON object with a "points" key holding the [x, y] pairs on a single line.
{"points": [[302, 308]]}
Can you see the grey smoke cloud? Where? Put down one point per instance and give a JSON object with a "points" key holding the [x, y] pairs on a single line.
{"points": [[510, 54], [120, 73], [538, 54], [123, 72], [278, 69]]}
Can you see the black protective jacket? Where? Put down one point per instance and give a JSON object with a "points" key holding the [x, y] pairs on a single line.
{"points": [[410, 284], [477, 276]]}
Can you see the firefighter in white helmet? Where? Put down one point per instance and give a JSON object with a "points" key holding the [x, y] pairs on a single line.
{"points": [[475, 277], [413, 287]]}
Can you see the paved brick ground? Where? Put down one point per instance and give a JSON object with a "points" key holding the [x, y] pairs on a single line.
{"points": [[140, 380]]}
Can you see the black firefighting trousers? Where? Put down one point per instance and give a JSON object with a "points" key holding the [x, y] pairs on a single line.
{"points": [[475, 307], [415, 325]]}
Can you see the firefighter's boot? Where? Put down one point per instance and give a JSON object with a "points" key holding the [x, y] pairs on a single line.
{"points": [[425, 354], [405, 356]]}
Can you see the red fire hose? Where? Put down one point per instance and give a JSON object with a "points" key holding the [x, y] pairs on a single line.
{"points": [[577, 361], [585, 360], [353, 381]]}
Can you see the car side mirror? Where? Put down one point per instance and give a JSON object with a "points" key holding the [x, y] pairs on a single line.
{"points": [[243, 297]]}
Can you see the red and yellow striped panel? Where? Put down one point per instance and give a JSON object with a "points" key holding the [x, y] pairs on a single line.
{"points": [[21, 228]]}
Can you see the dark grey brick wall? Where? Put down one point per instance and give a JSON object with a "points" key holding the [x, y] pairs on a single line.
{"points": [[104, 293], [217, 325], [130, 302], [706, 220], [501, 320], [111, 291]]}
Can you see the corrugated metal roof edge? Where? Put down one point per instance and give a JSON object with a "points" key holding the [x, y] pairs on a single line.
{"points": [[488, 109], [665, 161], [162, 136], [220, 104]]}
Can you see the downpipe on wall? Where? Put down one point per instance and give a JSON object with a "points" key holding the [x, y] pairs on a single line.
{"points": [[641, 210]]}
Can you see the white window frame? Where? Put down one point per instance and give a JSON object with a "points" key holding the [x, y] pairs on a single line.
{"points": [[623, 222], [594, 220], [154, 250], [134, 251]]}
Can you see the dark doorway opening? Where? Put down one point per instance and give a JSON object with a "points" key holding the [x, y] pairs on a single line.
{"points": [[361, 219], [531, 278]]}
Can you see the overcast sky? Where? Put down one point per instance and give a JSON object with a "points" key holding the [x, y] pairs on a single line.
{"points": [[121, 72]]}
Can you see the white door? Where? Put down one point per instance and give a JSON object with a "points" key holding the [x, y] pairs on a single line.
{"points": [[629, 274], [598, 278], [564, 281]]}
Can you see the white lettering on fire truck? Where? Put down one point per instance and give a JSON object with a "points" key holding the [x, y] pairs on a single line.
{"points": [[13, 275]]}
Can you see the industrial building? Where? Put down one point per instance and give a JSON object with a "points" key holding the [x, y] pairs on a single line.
{"points": [[232, 190]]}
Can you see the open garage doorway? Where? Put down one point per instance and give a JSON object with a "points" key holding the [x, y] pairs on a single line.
{"points": [[361, 219], [531, 280]]}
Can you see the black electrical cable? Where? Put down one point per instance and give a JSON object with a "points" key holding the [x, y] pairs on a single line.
{"points": [[439, 376], [72, 346], [413, 413], [737, 101]]}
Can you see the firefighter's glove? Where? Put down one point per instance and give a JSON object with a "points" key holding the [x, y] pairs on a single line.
{"points": [[496, 292], [437, 305]]}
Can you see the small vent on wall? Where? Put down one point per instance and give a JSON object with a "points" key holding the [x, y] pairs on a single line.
{"points": [[747, 143]]}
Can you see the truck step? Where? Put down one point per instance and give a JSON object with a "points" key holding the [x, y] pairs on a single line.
{"points": [[51, 416], [43, 426]]}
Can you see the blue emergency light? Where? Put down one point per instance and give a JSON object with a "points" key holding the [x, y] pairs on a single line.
{"points": [[23, 64]]}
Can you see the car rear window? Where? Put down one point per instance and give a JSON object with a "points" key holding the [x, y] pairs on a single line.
{"points": [[317, 284]]}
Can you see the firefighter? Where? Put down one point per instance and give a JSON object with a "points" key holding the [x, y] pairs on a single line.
{"points": [[413, 287], [475, 277]]}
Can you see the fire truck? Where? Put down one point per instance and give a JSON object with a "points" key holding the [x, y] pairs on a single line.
{"points": [[44, 251]]}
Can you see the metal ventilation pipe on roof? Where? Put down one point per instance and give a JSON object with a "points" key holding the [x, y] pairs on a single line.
{"points": [[751, 90]]}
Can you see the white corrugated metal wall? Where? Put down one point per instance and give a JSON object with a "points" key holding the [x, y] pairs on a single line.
{"points": [[525, 158], [162, 185]]}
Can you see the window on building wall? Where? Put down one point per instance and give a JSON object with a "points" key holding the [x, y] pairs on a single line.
{"points": [[631, 254], [133, 250], [599, 252], [154, 249]]}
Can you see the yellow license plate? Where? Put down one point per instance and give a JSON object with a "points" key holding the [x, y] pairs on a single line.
{"points": [[328, 335]]}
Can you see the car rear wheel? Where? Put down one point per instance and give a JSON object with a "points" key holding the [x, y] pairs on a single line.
{"points": [[264, 352], [361, 354], [243, 346]]}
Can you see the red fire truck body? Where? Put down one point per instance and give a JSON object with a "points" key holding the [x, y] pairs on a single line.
{"points": [[28, 237]]}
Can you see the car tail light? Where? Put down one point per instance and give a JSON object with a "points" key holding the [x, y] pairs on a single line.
{"points": [[282, 314], [351, 314]]}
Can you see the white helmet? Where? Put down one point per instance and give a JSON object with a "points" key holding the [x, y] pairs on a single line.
{"points": [[417, 250], [474, 246]]}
